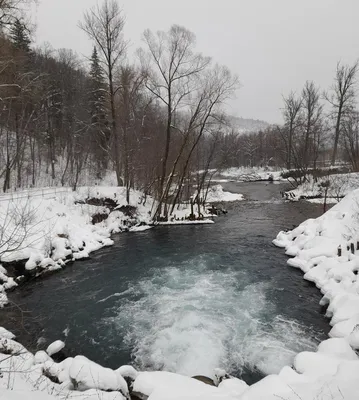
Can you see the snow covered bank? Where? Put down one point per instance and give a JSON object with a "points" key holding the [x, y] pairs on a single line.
{"points": [[330, 373], [217, 195], [338, 186], [47, 229], [38, 377], [244, 174], [41, 230], [326, 249]]}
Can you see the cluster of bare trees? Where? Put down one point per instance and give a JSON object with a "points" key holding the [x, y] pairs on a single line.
{"points": [[156, 121], [311, 130], [149, 121], [320, 129]]}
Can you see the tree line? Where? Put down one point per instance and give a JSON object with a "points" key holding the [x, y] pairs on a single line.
{"points": [[320, 129], [156, 121], [150, 121]]}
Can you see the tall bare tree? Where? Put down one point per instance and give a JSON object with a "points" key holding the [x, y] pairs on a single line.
{"points": [[342, 99], [351, 139], [312, 115], [291, 112], [172, 65], [104, 25]]}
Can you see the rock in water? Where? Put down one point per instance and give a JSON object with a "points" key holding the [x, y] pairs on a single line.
{"points": [[204, 379], [55, 347]]}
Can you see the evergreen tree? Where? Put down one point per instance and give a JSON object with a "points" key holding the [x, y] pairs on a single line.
{"points": [[20, 36], [98, 109]]}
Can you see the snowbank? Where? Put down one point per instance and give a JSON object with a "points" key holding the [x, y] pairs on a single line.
{"points": [[48, 228], [216, 195], [339, 186], [331, 372], [24, 375], [326, 249], [246, 174]]}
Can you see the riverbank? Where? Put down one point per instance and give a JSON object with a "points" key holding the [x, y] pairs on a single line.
{"points": [[44, 230], [326, 249], [336, 187], [41, 231], [249, 174]]}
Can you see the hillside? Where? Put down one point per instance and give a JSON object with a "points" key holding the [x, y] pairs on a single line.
{"points": [[246, 125]]}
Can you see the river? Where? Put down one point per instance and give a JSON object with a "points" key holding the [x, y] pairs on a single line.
{"points": [[185, 299]]}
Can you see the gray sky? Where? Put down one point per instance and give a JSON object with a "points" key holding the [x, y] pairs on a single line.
{"points": [[273, 45]]}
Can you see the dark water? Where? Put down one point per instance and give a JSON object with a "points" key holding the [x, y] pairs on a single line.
{"points": [[188, 298]]}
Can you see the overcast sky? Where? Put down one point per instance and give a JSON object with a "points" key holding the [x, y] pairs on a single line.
{"points": [[273, 45]]}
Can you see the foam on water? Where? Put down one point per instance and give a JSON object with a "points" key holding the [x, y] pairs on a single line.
{"points": [[193, 317]]}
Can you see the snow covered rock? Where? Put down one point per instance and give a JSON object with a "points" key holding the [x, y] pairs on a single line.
{"points": [[4, 333], [233, 387], [316, 364], [170, 386], [337, 347], [266, 388], [127, 371], [86, 374], [41, 357], [55, 347]]}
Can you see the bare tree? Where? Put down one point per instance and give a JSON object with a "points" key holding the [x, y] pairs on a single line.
{"points": [[17, 225], [171, 64], [351, 139], [342, 99], [312, 115], [10, 9], [128, 98], [291, 112], [104, 25], [215, 87]]}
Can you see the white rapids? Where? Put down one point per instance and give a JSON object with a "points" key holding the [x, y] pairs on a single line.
{"points": [[194, 317]]}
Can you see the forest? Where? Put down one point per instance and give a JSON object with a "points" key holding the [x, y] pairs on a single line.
{"points": [[158, 121]]}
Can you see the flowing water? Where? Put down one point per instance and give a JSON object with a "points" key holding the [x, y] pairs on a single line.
{"points": [[187, 299]]}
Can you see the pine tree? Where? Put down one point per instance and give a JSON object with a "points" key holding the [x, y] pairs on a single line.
{"points": [[20, 36], [98, 109]]}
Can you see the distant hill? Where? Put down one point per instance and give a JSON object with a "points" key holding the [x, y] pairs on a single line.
{"points": [[246, 125]]}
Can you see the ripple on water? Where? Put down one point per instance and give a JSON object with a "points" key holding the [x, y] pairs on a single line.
{"points": [[193, 317]]}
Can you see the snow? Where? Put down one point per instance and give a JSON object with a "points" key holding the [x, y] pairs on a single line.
{"points": [[89, 375], [187, 222], [4, 333], [50, 227], [6, 283], [216, 194], [247, 174], [41, 357], [24, 376], [55, 347], [127, 371], [233, 387], [169, 386], [339, 186], [330, 372], [325, 249]]}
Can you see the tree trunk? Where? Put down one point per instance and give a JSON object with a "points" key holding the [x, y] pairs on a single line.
{"points": [[337, 134]]}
